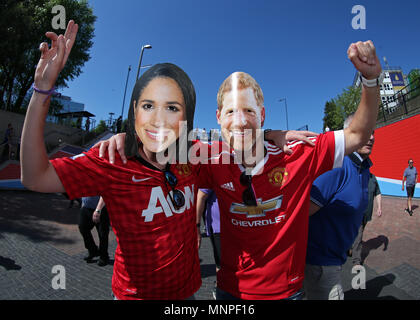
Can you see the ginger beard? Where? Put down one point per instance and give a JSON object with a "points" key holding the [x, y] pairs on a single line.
{"points": [[159, 114]]}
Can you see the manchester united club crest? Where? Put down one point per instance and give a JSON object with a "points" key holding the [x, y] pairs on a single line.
{"points": [[278, 177], [183, 170]]}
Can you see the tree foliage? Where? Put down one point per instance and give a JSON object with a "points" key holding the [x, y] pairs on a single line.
{"points": [[23, 24], [101, 127], [414, 75], [333, 116], [414, 80], [337, 109]]}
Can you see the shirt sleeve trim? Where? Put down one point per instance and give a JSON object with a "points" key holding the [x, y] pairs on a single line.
{"points": [[319, 204], [339, 148]]}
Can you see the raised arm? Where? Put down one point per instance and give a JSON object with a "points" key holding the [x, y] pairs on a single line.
{"points": [[36, 171], [364, 58]]}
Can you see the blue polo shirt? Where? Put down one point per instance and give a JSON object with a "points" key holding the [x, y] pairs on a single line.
{"points": [[342, 194]]}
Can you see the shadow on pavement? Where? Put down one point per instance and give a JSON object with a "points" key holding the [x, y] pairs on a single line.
{"points": [[373, 244], [36, 215], [373, 289], [9, 264]]}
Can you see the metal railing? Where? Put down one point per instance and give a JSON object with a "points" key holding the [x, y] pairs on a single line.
{"points": [[404, 103]]}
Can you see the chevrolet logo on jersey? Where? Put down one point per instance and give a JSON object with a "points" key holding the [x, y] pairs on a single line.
{"points": [[259, 210]]}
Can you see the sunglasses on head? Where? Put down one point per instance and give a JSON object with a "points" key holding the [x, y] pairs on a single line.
{"points": [[177, 197], [248, 196]]}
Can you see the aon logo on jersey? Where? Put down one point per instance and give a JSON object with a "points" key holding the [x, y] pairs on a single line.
{"points": [[158, 203]]}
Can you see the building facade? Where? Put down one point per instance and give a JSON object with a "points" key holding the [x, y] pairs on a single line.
{"points": [[394, 83]]}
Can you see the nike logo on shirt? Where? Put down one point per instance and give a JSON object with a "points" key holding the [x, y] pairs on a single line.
{"points": [[140, 180]]}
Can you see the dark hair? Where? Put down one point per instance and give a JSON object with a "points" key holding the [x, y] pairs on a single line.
{"points": [[163, 70]]}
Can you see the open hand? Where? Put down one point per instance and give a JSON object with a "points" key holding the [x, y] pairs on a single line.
{"points": [[53, 59]]}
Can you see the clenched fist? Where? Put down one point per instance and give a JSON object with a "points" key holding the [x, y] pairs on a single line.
{"points": [[364, 58]]}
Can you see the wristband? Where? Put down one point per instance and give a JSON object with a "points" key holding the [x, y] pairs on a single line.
{"points": [[372, 82], [98, 211], [49, 93], [265, 132]]}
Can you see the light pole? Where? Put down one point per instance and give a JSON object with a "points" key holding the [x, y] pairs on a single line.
{"points": [[287, 118], [125, 91], [147, 46], [110, 120]]}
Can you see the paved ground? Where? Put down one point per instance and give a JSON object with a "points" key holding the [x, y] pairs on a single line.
{"points": [[39, 232]]}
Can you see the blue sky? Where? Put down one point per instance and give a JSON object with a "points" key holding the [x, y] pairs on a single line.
{"points": [[294, 49]]}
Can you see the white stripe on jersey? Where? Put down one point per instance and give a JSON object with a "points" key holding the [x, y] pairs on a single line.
{"points": [[295, 142], [339, 148], [274, 153], [271, 147]]}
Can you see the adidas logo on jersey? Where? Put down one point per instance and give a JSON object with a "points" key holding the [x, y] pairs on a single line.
{"points": [[228, 186]]}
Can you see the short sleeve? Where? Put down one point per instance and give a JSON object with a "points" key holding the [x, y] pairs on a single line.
{"points": [[339, 148], [328, 152], [206, 191], [326, 186], [82, 175], [377, 188]]}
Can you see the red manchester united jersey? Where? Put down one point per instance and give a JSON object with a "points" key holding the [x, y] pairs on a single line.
{"points": [[263, 247], [156, 256]]}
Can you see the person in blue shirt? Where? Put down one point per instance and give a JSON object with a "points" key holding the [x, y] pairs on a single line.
{"points": [[410, 174], [338, 200]]}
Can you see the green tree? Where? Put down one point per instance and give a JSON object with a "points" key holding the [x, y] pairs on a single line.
{"points": [[333, 116], [101, 127], [337, 109], [414, 80], [124, 126], [349, 100], [23, 24]]}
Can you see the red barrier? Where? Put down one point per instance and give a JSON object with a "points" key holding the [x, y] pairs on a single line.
{"points": [[394, 145]]}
